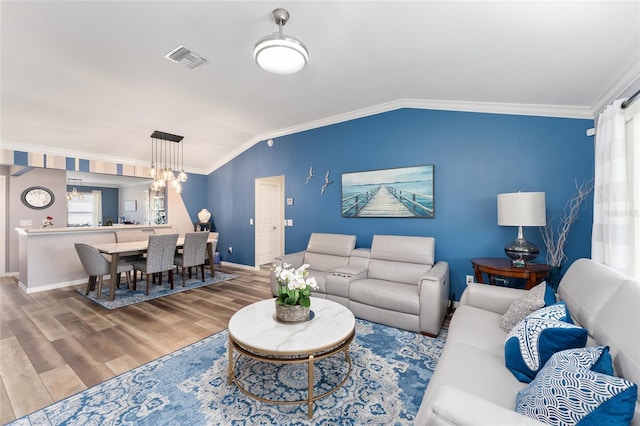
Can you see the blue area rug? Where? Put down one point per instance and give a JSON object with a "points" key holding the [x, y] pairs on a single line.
{"points": [[125, 297], [390, 373]]}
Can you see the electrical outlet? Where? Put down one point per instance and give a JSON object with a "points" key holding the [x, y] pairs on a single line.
{"points": [[230, 250], [469, 279]]}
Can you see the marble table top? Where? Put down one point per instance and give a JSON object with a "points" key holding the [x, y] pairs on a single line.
{"points": [[256, 328]]}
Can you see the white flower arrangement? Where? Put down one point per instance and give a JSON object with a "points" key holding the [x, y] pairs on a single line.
{"points": [[294, 288]]}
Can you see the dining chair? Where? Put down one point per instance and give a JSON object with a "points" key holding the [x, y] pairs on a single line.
{"points": [[95, 265], [160, 253], [162, 231], [129, 236], [194, 253]]}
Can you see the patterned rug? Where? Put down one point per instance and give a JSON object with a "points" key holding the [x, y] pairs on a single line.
{"points": [[125, 297], [390, 372]]}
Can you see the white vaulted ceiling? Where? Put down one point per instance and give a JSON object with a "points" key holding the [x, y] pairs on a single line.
{"points": [[90, 77]]}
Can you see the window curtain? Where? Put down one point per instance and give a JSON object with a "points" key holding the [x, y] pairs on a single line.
{"points": [[96, 208], [632, 136], [615, 193]]}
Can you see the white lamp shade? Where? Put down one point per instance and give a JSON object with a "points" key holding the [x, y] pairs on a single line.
{"points": [[280, 54], [522, 209]]}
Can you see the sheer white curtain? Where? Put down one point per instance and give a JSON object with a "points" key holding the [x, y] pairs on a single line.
{"points": [[615, 241], [96, 208], [632, 130]]}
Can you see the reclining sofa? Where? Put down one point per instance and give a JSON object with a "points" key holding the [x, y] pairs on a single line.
{"points": [[471, 383], [396, 282]]}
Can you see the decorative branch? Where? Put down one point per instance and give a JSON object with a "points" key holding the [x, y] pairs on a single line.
{"points": [[554, 237]]}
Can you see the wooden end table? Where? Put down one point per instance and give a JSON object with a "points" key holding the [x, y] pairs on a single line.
{"points": [[534, 273]]}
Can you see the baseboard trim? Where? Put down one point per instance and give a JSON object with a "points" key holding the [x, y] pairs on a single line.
{"points": [[38, 289], [240, 266]]}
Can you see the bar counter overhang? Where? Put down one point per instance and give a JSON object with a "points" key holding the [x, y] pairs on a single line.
{"points": [[48, 259]]}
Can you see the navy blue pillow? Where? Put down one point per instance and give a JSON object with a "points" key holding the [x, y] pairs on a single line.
{"points": [[537, 337], [549, 295]]}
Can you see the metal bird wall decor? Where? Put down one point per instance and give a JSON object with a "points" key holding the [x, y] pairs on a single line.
{"points": [[326, 183], [310, 175]]}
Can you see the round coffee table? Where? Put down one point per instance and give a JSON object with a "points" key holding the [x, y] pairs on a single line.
{"points": [[254, 332]]}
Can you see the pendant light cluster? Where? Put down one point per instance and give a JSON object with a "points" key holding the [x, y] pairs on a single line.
{"points": [[167, 154], [74, 192]]}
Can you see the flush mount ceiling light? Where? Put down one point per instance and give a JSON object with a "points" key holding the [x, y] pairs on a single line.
{"points": [[279, 53]]}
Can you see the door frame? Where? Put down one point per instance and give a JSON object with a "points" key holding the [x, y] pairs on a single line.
{"points": [[279, 182]]}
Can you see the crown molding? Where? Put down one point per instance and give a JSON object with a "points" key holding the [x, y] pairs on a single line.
{"points": [[624, 86], [480, 107], [561, 111]]}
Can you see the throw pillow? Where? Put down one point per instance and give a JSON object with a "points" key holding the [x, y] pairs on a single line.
{"points": [[537, 337], [594, 358], [534, 299], [568, 391]]}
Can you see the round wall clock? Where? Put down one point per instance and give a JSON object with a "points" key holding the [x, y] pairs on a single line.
{"points": [[38, 197]]}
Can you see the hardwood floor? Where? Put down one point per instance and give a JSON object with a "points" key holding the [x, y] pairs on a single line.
{"points": [[56, 343]]}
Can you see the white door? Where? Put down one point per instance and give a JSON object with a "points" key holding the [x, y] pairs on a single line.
{"points": [[269, 219]]}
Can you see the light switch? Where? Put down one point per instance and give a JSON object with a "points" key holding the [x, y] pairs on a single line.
{"points": [[251, 221], [289, 222], [289, 201]]}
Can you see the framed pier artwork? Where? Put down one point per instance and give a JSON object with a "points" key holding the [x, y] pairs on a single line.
{"points": [[401, 192]]}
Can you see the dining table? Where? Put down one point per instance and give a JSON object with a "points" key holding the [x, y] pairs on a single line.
{"points": [[115, 250]]}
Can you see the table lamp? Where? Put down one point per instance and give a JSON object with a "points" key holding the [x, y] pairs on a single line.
{"points": [[521, 209]]}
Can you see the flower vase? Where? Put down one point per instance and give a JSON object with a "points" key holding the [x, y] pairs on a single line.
{"points": [[291, 313], [553, 279]]}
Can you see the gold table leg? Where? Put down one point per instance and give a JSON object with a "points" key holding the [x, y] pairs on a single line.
{"points": [[230, 379], [310, 387], [311, 398]]}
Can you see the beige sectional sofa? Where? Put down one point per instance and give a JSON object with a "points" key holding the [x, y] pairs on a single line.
{"points": [[471, 384], [396, 282]]}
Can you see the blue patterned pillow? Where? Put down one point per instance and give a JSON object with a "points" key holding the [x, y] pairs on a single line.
{"points": [[541, 334], [594, 358], [568, 391]]}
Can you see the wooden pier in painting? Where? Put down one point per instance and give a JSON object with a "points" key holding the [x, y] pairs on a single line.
{"points": [[386, 201]]}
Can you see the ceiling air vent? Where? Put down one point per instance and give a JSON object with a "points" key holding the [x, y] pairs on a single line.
{"points": [[182, 55]]}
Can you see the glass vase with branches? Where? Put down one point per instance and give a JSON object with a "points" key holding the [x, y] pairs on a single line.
{"points": [[555, 235]]}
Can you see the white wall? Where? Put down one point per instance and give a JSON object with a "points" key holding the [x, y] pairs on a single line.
{"points": [[133, 193], [56, 181], [4, 246]]}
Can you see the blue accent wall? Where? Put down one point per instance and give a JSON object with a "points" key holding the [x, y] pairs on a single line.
{"points": [[476, 156], [194, 195]]}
